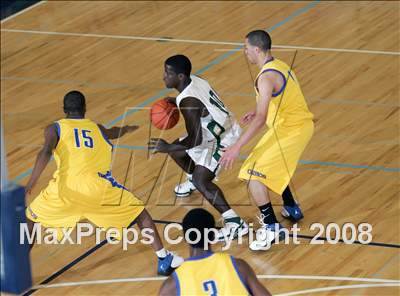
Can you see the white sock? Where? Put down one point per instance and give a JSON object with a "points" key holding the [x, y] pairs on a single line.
{"points": [[229, 214], [162, 253], [189, 176]]}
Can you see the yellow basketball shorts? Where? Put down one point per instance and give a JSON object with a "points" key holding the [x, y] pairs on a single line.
{"points": [[101, 200], [275, 157]]}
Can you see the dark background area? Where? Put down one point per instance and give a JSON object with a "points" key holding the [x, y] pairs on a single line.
{"points": [[10, 7]]}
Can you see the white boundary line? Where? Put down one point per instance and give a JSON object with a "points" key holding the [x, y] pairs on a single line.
{"points": [[332, 288], [328, 278], [101, 282], [287, 47], [22, 11], [340, 50], [263, 276], [119, 37], [290, 48]]}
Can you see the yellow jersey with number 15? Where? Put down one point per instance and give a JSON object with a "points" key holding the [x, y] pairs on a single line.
{"points": [[82, 150]]}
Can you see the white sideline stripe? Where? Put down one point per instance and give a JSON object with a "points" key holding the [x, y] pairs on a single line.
{"points": [[119, 37], [287, 47], [317, 290], [328, 278], [22, 11], [263, 276], [99, 282], [341, 50], [290, 48]]}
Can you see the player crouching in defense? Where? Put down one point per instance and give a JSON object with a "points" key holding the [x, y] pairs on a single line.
{"points": [[82, 186]]}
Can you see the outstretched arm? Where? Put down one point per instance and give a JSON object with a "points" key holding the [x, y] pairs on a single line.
{"points": [[117, 132], [168, 287], [250, 278], [43, 157], [192, 110], [265, 86]]}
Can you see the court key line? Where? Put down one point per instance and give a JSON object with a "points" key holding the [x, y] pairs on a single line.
{"points": [[207, 42], [260, 276]]}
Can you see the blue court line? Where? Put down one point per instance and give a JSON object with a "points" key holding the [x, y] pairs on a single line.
{"points": [[22, 176], [129, 147], [305, 162], [164, 91], [348, 165], [68, 266]]}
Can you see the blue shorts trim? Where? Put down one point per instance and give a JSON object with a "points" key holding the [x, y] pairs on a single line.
{"points": [[113, 182]]}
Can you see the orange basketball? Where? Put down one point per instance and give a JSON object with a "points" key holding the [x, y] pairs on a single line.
{"points": [[164, 115]]}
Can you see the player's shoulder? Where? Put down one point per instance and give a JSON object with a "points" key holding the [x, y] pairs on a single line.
{"points": [[267, 77], [197, 77], [268, 74], [52, 127], [190, 101]]}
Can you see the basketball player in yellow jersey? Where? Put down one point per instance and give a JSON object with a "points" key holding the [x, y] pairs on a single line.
{"points": [[271, 164], [82, 186], [208, 273]]}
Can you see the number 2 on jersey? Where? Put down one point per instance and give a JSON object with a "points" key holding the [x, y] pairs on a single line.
{"points": [[88, 141], [210, 287]]}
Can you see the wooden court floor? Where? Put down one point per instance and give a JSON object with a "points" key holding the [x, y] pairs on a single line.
{"points": [[347, 63]]}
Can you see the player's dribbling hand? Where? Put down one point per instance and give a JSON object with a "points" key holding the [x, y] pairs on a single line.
{"points": [[248, 117], [229, 156], [158, 145]]}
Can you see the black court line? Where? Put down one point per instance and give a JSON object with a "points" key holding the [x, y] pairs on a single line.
{"points": [[310, 237], [104, 242], [68, 266], [71, 264], [385, 245]]}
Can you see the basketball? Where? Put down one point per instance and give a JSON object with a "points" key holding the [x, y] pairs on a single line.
{"points": [[164, 115]]}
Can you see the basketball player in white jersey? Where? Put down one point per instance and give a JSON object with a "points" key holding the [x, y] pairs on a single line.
{"points": [[210, 127]]}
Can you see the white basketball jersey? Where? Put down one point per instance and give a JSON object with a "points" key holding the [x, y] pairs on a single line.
{"points": [[219, 128], [219, 115]]}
